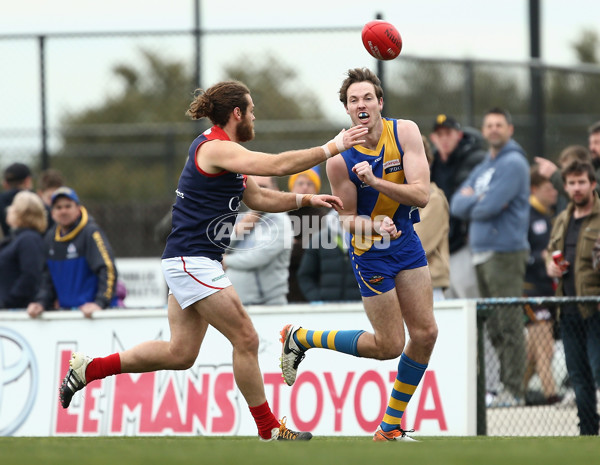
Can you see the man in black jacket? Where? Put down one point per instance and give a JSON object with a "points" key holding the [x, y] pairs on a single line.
{"points": [[457, 151], [325, 273], [16, 177]]}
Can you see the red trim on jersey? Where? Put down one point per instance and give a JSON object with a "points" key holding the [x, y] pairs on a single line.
{"points": [[200, 170], [196, 279], [214, 133]]}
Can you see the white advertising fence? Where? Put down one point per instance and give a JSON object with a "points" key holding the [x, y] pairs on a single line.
{"points": [[144, 282], [334, 394]]}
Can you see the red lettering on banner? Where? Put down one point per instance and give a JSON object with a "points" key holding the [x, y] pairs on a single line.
{"points": [[307, 377], [150, 403], [82, 415], [226, 422], [338, 401], [370, 376], [132, 395], [139, 396], [275, 380], [93, 390], [429, 386], [168, 416], [197, 402]]}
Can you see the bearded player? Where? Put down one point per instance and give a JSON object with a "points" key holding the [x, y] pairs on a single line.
{"points": [[211, 188], [381, 183]]}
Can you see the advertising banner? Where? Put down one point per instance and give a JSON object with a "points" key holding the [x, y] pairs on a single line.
{"points": [[334, 394]]}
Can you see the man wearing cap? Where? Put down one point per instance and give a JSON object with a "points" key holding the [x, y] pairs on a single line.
{"points": [[80, 269], [16, 178], [457, 151], [495, 201]]}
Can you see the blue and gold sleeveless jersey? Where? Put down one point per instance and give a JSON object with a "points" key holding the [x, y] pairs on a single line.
{"points": [[387, 163]]}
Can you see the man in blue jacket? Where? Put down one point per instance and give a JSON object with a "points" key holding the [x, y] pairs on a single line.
{"points": [[81, 272], [495, 200]]}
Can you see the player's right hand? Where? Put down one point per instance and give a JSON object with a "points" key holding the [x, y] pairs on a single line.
{"points": [[351, 137], [326, 200], [387, 228]]}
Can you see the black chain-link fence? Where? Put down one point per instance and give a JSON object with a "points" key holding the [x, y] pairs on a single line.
{"points": [[545, 405], [107, 109]]}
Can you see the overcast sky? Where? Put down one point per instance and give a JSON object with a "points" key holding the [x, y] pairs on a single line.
{"points": [[480, 29], [457, 28]]}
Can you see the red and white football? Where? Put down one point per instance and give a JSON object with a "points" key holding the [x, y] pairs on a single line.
{"points": [[381, 39]]}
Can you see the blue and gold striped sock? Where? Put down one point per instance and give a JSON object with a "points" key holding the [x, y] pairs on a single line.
{"points": [[340, 341], [408, 378]]}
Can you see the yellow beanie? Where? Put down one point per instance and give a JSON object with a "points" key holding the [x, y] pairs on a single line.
{"points": [[312, 174]]}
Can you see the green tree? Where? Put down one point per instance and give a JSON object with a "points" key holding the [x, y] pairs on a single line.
{"points": [[586, 47], [126, 147], [570, 99], [420, 89]]}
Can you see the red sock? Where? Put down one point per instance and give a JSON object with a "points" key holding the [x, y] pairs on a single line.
{"points": [[102, 367], [265, 420]]}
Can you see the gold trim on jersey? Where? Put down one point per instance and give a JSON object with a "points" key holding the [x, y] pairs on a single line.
{"points": [[384, 206]]}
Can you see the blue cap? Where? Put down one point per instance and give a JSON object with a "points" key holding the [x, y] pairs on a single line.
{"points": [[65, 192]]}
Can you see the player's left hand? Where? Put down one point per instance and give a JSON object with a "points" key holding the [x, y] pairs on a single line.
{"points": [[364, 171], [325, 200]]}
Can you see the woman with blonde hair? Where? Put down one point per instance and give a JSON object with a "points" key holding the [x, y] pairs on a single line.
{"points": [[22, 252]]}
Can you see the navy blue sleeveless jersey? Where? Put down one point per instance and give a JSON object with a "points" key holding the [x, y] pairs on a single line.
{"points": [[206, 207]]}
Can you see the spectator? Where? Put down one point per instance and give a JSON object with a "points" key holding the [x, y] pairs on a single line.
{"points": [[80, 266], [325, 273], [574, 233], [594, 146], [457, 151], [49, 180], [433, 232], [494, 199], [22, 252], [541, 318], [306, 222], [17, 177], [258, 260], [551, 171]]}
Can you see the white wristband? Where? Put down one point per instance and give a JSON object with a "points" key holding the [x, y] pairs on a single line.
{"points": [[339, 142], [330, 149], [335, 145], [300, 199]]}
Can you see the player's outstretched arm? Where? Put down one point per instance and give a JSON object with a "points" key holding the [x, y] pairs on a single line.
{"points": [[216, 156], [269, 200]]}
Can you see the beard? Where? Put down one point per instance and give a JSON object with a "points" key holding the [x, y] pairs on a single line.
{"points": [[244, 131], [584, 201]]}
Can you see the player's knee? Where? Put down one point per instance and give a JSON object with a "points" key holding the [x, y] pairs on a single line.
{"points": [[184, 360], [247, 339], [426, 337], [393, 349]]}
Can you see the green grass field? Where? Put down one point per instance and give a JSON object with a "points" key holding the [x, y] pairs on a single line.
{"points": [[321, 450]]}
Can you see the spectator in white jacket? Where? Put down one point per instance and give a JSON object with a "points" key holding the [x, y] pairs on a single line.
{"points": [[258, 260]]}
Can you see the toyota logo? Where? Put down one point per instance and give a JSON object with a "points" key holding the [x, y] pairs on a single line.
{"points": [[18, 381]]}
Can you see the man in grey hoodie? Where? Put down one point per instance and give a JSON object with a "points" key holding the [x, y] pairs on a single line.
{"points": [[258, 259], [494, 199]]}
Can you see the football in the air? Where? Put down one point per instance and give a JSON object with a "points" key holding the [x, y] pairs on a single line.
{"points": [[381, 39]]}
